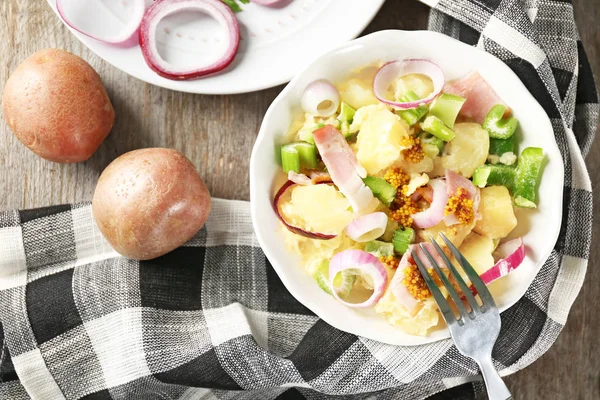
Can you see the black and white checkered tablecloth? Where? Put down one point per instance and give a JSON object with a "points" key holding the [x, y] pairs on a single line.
{"points": [[212, 320]]}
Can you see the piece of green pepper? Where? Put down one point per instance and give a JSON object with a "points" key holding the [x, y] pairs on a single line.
{"points": [[489, 175], [379, 248], [413, 115], [297, 155], [381, 189], [528, 177], [497, 126], [446, 107], [501, 146], [428, 139], [437, 128], [403, 237]]}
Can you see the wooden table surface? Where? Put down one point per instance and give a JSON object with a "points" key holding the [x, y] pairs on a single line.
{"points": [[217, 134]]}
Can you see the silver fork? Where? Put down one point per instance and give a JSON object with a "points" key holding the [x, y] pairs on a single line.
{"points": [[475, 332]]}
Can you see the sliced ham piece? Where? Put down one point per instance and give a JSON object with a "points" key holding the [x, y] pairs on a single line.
{"points": [[479, 94], [397, 287], [343, 167]]}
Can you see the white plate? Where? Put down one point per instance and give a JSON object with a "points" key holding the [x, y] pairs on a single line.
{"points": [[276, 43], [539, 228]]}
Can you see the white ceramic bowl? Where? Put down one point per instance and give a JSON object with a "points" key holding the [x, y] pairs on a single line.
{"points": [[539, 228]]}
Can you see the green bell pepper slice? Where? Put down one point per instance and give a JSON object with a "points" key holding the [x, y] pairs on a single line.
{"points": [[403, 237], [501, 146], [497, 126], [446, 107], [413, 115], [528, 177], [489, 175], [379, 248], [437, 128], [385, 192], [298, 155]]}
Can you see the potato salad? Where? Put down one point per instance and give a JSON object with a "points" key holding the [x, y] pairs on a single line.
{"points": [[391, 156]]}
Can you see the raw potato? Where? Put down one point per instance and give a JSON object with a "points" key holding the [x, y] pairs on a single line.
{"points": [[149, 202], [56, 105], [498, 217], [467, 151]]}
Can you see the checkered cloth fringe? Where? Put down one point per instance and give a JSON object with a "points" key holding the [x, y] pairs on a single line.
{"points": [[212, 320]]}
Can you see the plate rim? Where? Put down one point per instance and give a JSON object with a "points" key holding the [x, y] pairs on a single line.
{"points": [[262, 136], [166, 84]]}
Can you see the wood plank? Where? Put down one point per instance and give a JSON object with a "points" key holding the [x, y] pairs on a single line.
{"points": [[217, 134]]}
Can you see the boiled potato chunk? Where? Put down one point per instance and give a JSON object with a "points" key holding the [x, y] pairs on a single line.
{"points": [[498, 217], [468, 150], [478, 250], [455, 233], [379, 139], [357, 93], [319, 208], [420, 84]]}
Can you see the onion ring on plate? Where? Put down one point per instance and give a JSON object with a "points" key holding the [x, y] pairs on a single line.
{"points": [[368, 227], [512, 253], [393, 70], [366, 264], [80, 16], [435, 213], [161, 9]]}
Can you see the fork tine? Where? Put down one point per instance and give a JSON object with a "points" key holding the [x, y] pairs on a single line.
{"points": [[459, 304], [461, 282], [482, 290], [443, 305]]}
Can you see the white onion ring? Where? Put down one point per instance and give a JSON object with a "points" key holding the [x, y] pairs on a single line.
{"points": [[393, 70], [67, 10], [367, 264], [435, 213], [161, 9], [368, 227], [321, 98]]}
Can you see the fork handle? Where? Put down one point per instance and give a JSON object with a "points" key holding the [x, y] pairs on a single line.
{"points": [[496, 388]]}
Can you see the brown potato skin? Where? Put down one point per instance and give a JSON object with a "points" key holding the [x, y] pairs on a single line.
{"points": [[149, 202], [56, 105]]}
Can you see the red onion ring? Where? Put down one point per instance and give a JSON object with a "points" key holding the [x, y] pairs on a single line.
{"points": [[393, 70], [367, 264], [435, 213], [368, 227], [292, 228], [513, 253], [161, 9], [70, 17]]}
